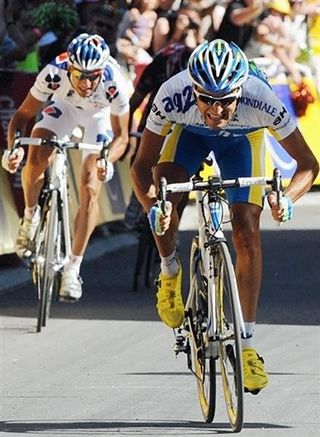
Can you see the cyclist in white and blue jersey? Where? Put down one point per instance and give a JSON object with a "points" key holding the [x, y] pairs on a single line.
{"points": [[81, 89], [222, 103]]}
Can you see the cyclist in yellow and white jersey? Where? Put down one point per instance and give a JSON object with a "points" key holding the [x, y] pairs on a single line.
{"points": [[82, 89], [221, 103]]}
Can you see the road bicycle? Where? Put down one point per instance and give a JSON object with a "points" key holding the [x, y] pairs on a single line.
{"points": [[213, 322], [51, 247]]}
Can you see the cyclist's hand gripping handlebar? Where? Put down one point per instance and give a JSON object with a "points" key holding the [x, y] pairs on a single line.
{"points": [[281, 205], [12, 158], [105, 169], [160, 214]]}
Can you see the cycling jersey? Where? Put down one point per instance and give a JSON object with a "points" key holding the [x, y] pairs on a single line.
{"points": [[259, 107], [112, 90], [67, 110], [238, 147]]}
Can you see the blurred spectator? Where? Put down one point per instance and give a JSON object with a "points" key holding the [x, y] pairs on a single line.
{"points": [[164, 27], [20, 33], [185, 26], [27, 23], [168, 62], [102, 20], [239, 21], [209, 15], [135, 31], [311, 9], [273, 40]]}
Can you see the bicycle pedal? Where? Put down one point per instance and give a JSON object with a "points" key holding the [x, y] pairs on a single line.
{"points": [[180, 345]]}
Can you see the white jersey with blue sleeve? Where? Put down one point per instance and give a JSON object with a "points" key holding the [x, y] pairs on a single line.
{"points": [[112, 91]]}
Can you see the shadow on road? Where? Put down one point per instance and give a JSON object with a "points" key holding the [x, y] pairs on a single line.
{"points": [[289, 294], [148, 428]]}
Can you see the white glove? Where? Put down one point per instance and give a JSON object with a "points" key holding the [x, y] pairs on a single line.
{"points": [[11, 160], [105, 171], [156, 218]]}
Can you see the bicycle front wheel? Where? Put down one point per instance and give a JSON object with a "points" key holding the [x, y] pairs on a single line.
{"points": [[45, 261], [229, 335], [203, 362]]}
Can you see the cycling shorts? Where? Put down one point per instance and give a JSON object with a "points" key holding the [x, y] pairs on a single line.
{"points": [[236, 156], [87, 126]]}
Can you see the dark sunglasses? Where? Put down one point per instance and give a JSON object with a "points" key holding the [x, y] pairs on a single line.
{"points": [[210, 101], [80, 75]]}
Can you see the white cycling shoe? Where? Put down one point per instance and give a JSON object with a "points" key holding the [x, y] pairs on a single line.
{"points": [[26, 233], [71, 286]]}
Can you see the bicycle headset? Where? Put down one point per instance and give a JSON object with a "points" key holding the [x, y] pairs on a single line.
{"points": [[218, 67], [88, 52]]}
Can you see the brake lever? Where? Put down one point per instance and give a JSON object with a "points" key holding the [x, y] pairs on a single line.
{"points": [[163, 194], [277, 185]]}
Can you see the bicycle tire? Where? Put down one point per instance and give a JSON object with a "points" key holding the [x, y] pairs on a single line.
{"points": [[46, 273], [204, 365], [229, 334], [37, 269]]}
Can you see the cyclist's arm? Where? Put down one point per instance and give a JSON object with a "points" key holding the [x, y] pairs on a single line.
{"points": [[28, 109], [307, 165], [141, 170], [120, 140]]}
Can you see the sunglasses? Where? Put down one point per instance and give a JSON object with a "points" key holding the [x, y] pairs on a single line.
{"points": [[80, 75], [210, 101]]}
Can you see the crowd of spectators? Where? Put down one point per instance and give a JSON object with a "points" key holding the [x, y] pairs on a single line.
{"points": [[283, 36], [282, 33]]}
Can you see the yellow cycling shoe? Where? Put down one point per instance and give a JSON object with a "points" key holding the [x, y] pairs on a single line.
{"points": [[170, 305], [255, 378]]}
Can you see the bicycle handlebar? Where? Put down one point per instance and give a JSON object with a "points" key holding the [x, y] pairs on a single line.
{"points": [[58, 144], [216, 183]]}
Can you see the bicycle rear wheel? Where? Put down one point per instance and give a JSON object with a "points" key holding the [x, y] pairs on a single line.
{"points": [[229, 335], [45, 259], [203, 363]]}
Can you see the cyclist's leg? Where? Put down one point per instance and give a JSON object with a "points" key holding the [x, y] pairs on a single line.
{"points": [[87, 214], [246, 207], [178, 161]]}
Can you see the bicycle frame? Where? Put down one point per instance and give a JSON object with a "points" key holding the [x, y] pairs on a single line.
{"points": [[58, 181], [213, 323], [210, 232], [52, 242]]}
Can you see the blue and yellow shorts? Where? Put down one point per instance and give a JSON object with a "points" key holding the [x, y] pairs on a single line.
{"points": [[236, 156]]}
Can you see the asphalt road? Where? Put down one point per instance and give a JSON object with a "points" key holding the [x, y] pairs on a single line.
{"points": [[105, 366]]}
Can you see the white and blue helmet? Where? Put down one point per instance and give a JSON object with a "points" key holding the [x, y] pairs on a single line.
{"points": [[88, 52], [218, 67]]}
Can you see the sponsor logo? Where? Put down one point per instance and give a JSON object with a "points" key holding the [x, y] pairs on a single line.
{"points": [[53, 111], [53, 82], [111, 93], [258, 104], [179, 102], [281, 116], [157, 111]]}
